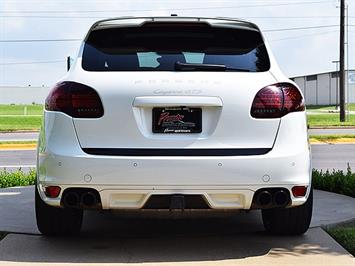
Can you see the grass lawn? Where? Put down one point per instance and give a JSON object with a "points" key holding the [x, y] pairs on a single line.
{"points": [[18, 142], [323, 120], [327, 107], [13, 122], [19, 109], [332, 137], [345, 236]]}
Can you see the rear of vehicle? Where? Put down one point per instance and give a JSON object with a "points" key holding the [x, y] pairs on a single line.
{"points": [[174, 114]]}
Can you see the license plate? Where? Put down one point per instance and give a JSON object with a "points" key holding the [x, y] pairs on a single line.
{"points": [[177, 120]]}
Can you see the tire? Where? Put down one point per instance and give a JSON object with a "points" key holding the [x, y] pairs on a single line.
{"points": [[289, 221], [53, 221]]}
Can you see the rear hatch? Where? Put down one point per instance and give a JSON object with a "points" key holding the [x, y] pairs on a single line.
{"points": [[175, 85]]}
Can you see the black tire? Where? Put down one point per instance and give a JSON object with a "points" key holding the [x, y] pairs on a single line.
{"points": [[52, 221], [289, 221]]}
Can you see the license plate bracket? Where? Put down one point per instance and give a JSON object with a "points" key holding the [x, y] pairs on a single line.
{"points": [[177, 120]]}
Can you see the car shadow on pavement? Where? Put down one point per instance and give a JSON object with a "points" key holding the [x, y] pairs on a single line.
{"points": [[109, 238]]}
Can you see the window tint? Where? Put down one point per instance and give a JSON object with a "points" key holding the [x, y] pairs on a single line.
{"points": [[158, 46]]}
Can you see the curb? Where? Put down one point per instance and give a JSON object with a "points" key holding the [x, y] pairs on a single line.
{"points": [[20, 146], [332, 142], [339, 224]]}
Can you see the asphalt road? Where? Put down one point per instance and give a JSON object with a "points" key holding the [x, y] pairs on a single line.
{"points": [[333, 156], [324, 157], [332, 131], [16, 158], [17, 136]]}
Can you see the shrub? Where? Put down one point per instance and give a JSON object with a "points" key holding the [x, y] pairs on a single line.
{"points": [[17, 178], [335, 181]]}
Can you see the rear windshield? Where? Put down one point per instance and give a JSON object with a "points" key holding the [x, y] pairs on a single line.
{"points": [[157, 47]]}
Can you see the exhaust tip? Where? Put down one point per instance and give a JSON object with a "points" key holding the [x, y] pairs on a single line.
{"points": [[264, 198], [88, 199], [281, 198], [71, 200]]}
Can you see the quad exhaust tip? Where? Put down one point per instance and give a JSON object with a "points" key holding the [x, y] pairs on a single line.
{"points": [[81, 198], [271, 198]]}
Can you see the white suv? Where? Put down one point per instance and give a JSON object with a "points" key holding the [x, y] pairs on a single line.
{"points": [[174, 113]]}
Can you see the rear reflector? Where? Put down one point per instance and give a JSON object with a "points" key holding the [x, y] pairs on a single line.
{"points": [[52, 191], [299, 191], [277, 100], [75, 99]]}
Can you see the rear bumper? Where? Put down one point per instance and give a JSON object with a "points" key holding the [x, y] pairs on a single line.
{"points": [[127, 182]]}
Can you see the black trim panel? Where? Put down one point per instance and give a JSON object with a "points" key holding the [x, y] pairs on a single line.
{"points": [[175, 152]]}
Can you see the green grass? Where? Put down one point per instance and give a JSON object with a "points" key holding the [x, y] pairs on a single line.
{"points": [[323, 120], [32, 109], [17, 178], [18, 142], [327, 107], [345, 236], [12, 123], [331, 137]]}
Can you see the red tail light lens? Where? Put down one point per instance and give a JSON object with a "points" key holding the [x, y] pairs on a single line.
{"points": [[299, 191], [277, 100], [75, 99], [52, 191]]}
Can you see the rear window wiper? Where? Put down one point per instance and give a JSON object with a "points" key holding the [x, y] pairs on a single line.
{"points": [[205, 67]]}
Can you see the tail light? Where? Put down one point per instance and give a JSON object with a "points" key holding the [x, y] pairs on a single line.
{"points": [[299, 191], [75, 99], [277, 100], [52, 191]]}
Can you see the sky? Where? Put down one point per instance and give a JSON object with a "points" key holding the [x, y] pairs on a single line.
{"points": [[298, 52]]}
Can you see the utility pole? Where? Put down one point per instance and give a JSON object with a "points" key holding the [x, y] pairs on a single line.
{"points": [[336, 83], [342, 62]]}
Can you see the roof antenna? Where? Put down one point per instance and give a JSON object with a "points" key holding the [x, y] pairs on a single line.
{"points": [[173, 15]]}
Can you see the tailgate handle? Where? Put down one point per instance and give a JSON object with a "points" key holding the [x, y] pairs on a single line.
{"points": [[168, 101]]}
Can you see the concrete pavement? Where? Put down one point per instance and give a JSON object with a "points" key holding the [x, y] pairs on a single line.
{"points": [[183, 248], [112, 238]]}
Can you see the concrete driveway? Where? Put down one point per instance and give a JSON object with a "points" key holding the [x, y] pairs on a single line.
{"points": [[110, 238]]}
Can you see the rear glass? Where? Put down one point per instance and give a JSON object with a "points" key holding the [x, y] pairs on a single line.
{"points": [[157, 47]]}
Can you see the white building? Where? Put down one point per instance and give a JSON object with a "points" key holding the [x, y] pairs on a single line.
{"points": [[323, 88]]}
